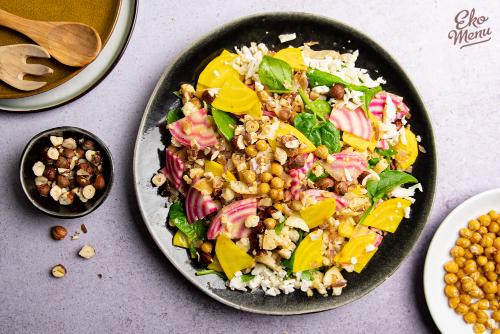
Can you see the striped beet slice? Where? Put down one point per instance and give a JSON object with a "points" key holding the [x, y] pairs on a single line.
{"points": [[198, 205], [345, 166], [352, 121], [194, 129], [320, 195], [231, 219], [377, 105], [174, 168], [383, 144], [298, 174]]}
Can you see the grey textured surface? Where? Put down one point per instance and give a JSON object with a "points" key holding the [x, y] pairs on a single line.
{"points": [[140, 292]]}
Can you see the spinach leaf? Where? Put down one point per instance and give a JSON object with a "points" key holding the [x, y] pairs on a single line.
{"points": [[307, 275], [174, 114], [194, 232], [177, 93], [210, 272], [247, 278], [319, 108], [389, 179], [326, 134], [387, 153], [367, 98], [305, 122], [280, 226], [315, 178], [373, 161], [276, 74], [321, 78], [225, 123]]}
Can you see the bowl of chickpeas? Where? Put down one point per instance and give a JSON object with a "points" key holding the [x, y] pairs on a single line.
{"points": [[462, 268]]}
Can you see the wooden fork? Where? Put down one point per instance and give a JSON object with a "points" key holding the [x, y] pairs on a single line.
{"points": [[13, 66]]}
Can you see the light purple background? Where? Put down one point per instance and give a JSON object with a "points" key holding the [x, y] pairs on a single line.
{"points": [[140, 291]]}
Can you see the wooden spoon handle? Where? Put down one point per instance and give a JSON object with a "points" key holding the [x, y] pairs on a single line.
{"points": [[32, 29]]}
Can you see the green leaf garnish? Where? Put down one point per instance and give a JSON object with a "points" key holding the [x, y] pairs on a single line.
{"points": [[194, 232], [276, 74], [247, 278], [226, 124], [389, 179], [174, 115]]}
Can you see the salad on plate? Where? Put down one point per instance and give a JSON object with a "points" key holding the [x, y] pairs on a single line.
{"points": [[286, 168]]}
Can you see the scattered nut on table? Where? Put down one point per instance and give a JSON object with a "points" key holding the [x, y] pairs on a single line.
{"points": [[87, 252], [69, 168], [58, 271], [58, 232]]}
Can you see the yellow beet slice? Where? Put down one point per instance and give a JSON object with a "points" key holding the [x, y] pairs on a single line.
{"points": [[235, 97], [355, 250], [388, 215], [215, 74], [231, 257], [293, 56], [407, 153], [285, 129], [358, 143], [308, 253], [180, 239], [345, 229], [218, 170], [215, 265], [316, 214]]}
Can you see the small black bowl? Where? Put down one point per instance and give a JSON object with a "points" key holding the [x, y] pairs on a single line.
{"points": [[32, 154]]}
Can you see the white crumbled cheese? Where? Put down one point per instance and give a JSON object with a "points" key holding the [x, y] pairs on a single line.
{"points": [[321, 89], [419, 139], [406, 193], [248, 60], [287, 37], [407, 212], [402, 136], [297, 222], [252, 221], [258, 86], [278, 215], [354, 260], [370, 248], [216, 73], [316, 234], [236, 283], [348, 175]]}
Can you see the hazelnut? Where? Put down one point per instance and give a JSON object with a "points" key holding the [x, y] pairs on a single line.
{"points": [[205, 258], [80, 153], [58, 271], [93, 157], [55, 192], [69, 143], [69, 153], [337, 91], [87, 252], [62, 181], [67, 198], [362, 176], [325, 183], [56, 141], [284, 114], [58, 232], [53, 153], [38, 168], [50, 173], [62, 162], [84, 229], [341, 188], [88, 191], [82, 180], [41, 180], [207, 96], [158, 180], [43, 190], [297, 162], [88, 145], [99, 183]]}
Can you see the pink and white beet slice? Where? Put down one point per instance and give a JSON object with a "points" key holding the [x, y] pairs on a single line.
{"points": [[231, 219], [352, 121], [194, 129]]}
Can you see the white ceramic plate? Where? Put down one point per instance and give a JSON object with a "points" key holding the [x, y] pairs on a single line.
{"points": [[445, 318], [90, 76]]}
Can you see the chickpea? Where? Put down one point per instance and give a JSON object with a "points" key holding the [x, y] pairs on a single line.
{"points": [[276, 169], [495, 331], [248, 176], [483, 230], [296, 205], [475, 275], [277, 183], [468, 254], [493, 215], [261, 145], [461, 308], [489, 252], [470, 266], [207, 247], [490, 296], [453, 302], [451, 291], [451, 266], [494, 227], [321, 152], [465, 299], [470, 317], [460, 261], [251, 151], [485, 220], [450, 278], [463, 242], [266, 177], [483, 304], [487, 241], [476, 293], [476, 249], [473, 307], [475, 238], [465, 233], [491, 276], [263, 188], [497, 257], [457, 251], [481, 260], [495, 316], [461, 273], [490, 287], [481, 317], [270, 223], [474, 225], [489, 267], [252, 126], [478, 328], [468, 285], [481, 280], [276, 194]]}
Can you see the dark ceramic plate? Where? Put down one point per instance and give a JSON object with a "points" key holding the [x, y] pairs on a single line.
{"points": [[47, 205], [266, 28]]}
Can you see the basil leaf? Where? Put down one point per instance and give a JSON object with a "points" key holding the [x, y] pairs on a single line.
{"points": [[373, 161], [276, 74], [389, 179], [225, 123], [174, 115], [326, 134], [367, 98], [194, 232], [247, 278], [371, 187], [280, 226], [321, 78]]}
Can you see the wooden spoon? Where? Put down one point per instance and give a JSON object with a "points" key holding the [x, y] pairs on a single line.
{"points": [[73, 44], [13, 65]]}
